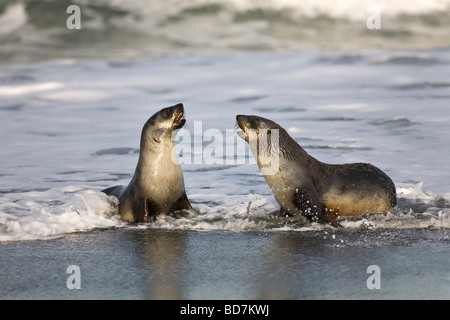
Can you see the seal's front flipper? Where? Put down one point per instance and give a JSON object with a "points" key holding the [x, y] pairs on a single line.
{"points": [[284, 213], [114, 191], [320, 218], [182, 203], [308, 203]]}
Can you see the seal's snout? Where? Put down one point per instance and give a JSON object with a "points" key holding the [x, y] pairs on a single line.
{"points": [[242, 122], [178, 108]]}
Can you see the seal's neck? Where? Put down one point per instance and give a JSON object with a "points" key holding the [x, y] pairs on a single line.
{"points": [[283, 155], [157, 158], [291, 150]]}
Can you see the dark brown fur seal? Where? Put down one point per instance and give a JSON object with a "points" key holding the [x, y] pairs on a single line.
{"points": [[157, 186], [303, 185]]}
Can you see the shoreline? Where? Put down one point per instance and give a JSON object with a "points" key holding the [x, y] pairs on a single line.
{"points": [[131, 263]]}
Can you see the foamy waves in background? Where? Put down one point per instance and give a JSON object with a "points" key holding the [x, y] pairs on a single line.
{"points": [[33, 30]]}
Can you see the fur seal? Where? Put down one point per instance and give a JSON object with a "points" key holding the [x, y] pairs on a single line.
{"points": [[303, 185], [157, 186]]}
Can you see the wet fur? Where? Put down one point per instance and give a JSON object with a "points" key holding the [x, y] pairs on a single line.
{"points": [[157, 186], [303, 185]]}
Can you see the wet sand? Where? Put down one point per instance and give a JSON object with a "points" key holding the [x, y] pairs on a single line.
{"points": [[143, 263]]}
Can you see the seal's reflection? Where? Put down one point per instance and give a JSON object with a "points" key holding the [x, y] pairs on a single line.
{"points": [[225, 265], [241, 265], [163, 255]]}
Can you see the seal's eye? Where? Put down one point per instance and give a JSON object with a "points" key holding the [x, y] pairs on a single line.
{"points": [[165, 113]]}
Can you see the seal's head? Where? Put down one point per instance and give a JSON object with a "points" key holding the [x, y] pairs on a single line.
{"points": [[267, 139], [254, 126], [264, 138], [162, 125]]}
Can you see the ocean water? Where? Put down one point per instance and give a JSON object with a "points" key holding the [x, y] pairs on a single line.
{"points": [[71, 128], [73, 103]]}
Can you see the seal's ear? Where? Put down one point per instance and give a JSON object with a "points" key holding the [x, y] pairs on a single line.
{"points": [[150, 123]]}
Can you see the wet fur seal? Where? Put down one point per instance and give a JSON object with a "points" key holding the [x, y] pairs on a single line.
{"points": [[302, 185], [157, 186]]}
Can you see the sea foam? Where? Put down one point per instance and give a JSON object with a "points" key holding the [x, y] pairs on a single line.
{"points": [[32, 216]]}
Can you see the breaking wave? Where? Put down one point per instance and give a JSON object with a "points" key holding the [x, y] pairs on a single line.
{"points": [[32, 215], [33, 30]]}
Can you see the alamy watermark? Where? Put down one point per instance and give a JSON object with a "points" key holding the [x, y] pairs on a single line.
{"points": [[74, 280], [214, 146], [374, 280], [374, 20], [74, 20]]}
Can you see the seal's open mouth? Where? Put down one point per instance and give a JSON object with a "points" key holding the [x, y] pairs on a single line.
{"points": [[179, 121], [180, 115]]}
